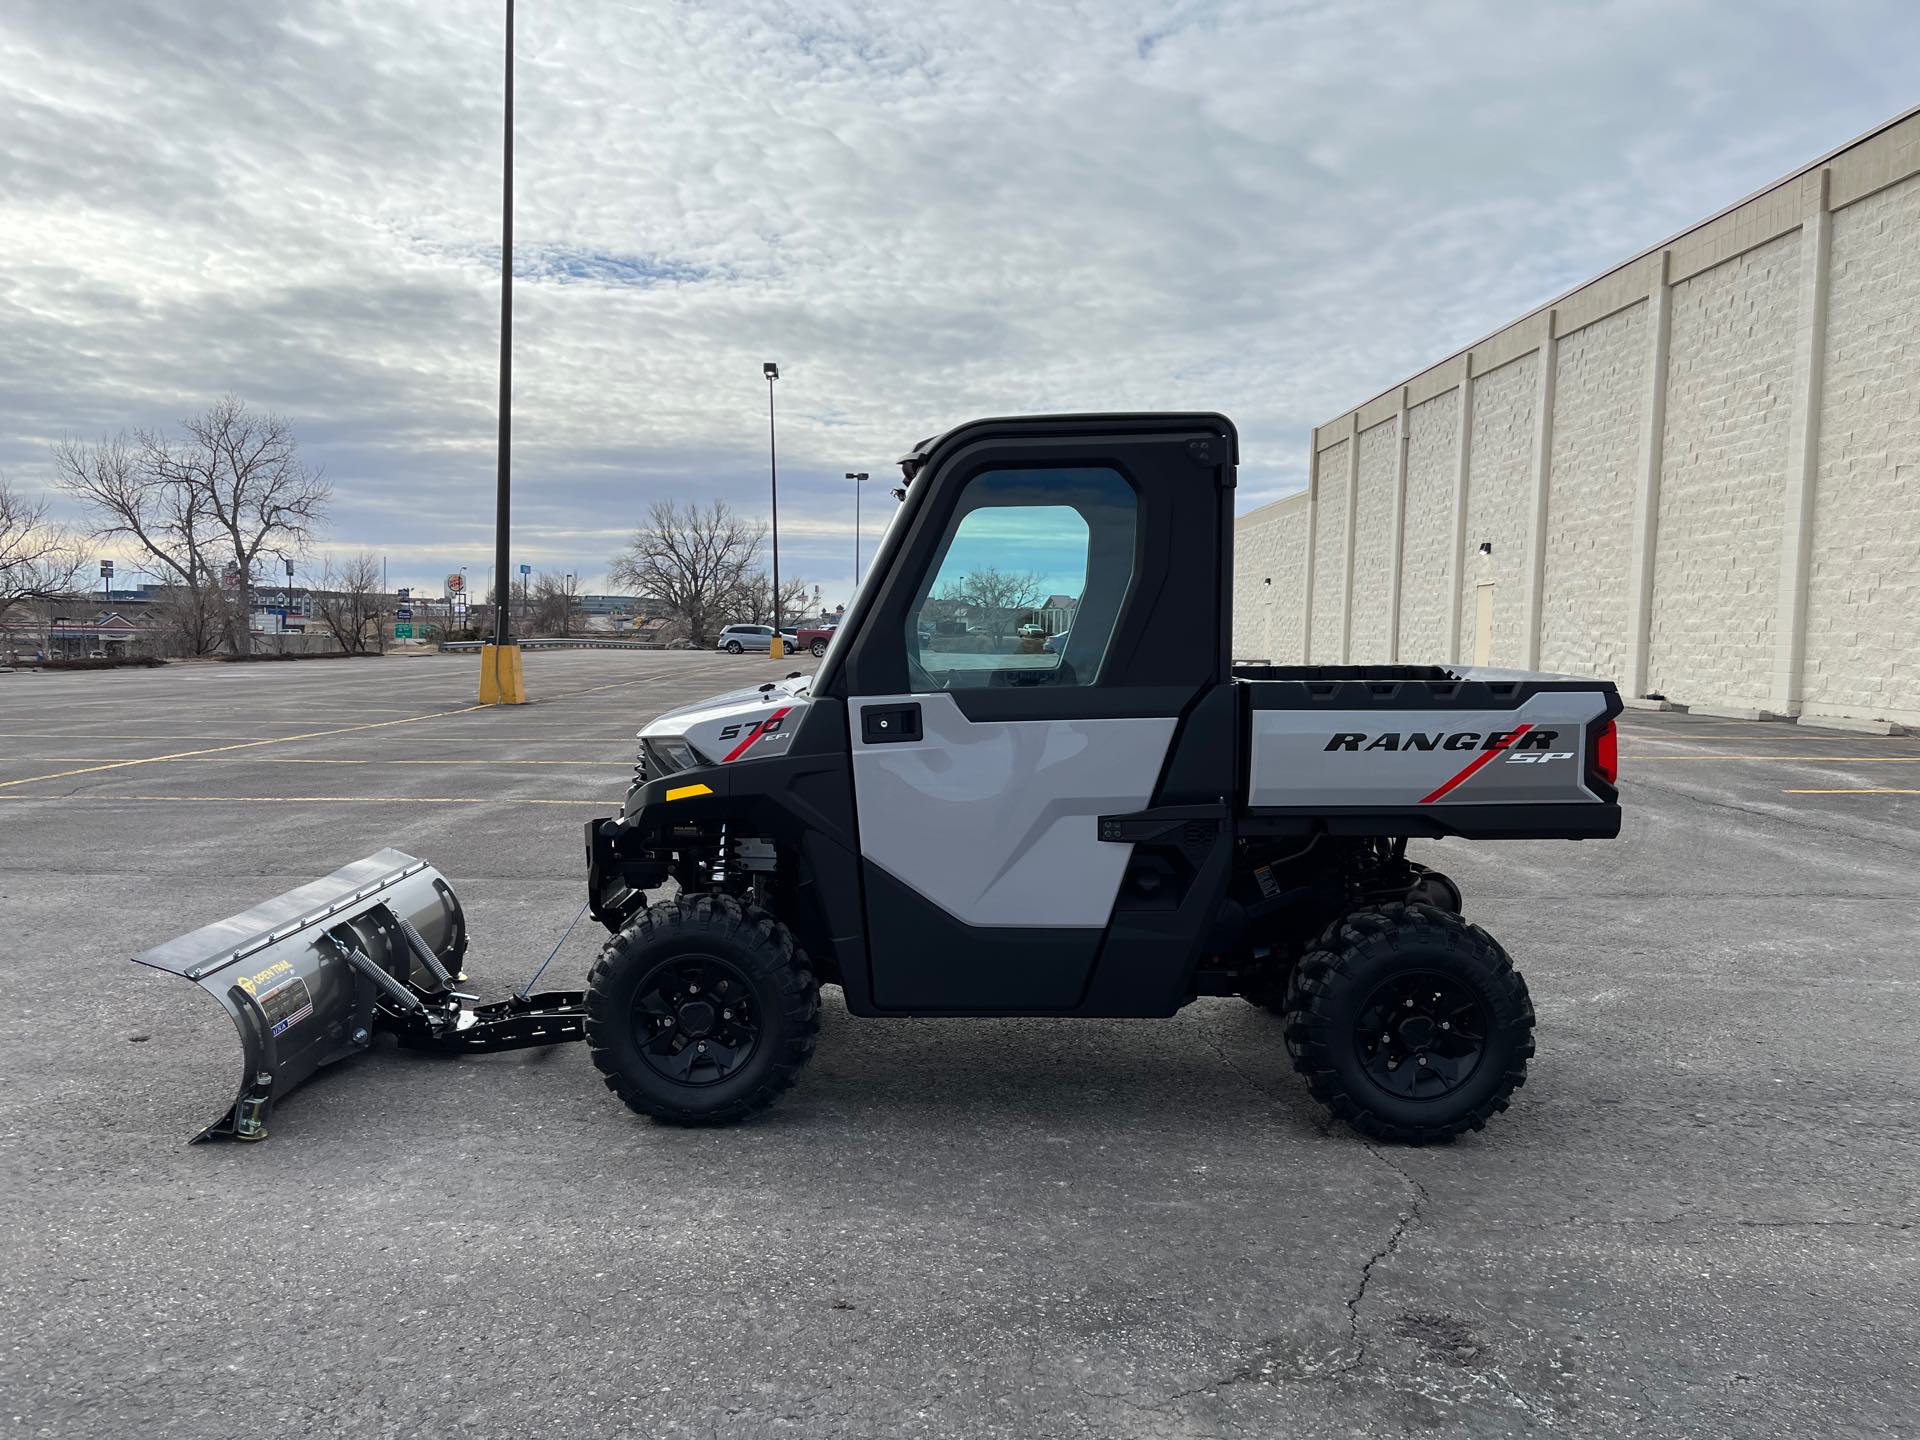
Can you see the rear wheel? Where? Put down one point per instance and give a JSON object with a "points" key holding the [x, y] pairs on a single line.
{"points": [[1430, 887], [819, 648], [701, 1011], [733, 647], [1409, 1023]]}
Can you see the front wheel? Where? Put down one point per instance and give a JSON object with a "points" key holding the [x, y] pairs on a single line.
{"points": [[1409, 1023], [701, 1011], [733, 647], [819, 648]]}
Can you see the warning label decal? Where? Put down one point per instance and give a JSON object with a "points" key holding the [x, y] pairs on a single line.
{"points": [[285, 1004]]}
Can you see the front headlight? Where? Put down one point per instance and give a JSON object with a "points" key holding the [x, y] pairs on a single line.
{"points": [[668, 755]]}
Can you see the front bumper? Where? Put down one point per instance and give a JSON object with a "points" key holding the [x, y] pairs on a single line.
{"points": [[617, 882], [621, 849]]}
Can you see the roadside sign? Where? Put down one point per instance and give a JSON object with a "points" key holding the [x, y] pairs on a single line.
{"points": [[405, 592], [526, 569], [405, 612], [403, 632], [456, 582]]}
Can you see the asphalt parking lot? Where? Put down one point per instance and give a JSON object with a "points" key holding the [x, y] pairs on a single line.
{"points": [[1698, 1218]]}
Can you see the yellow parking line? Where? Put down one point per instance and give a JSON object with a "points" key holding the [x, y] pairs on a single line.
{"points": [[245, 745], [1876, 790], [111, 796], [1627, 756], [1765, 734], [616, 763]]}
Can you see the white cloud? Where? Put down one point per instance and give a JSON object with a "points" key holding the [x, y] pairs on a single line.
{"points": [[923, 211]]}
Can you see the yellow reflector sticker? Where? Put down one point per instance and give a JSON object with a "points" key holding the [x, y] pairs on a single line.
{"points": [[687, 792]]}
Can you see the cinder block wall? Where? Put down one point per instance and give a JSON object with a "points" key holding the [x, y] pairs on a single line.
{"points": [[1598, 394], [1269, 580], [1698, 475]]}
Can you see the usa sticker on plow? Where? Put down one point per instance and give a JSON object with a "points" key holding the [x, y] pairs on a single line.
{"points": [[286, 1004]]}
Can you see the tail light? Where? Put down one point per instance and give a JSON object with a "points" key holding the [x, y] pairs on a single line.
{"points": [[1606, 754]]}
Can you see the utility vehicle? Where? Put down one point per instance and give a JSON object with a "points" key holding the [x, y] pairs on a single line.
{"points": [[1112, 821], [1110, 826]]}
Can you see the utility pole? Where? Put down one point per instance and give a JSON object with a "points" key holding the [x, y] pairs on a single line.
{"points": [[501, 680]]}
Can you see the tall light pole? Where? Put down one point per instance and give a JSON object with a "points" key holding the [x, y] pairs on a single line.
{"points": [[857, 480], [501, 681], [772, 372]]}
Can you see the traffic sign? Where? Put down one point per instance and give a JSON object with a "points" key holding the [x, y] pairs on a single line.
{"points": [[405, 592], [403, 632], [526, 569], [405, 612]]}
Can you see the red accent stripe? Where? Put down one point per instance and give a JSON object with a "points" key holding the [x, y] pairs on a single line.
{"points": [[758, 731], [1479, 760]]}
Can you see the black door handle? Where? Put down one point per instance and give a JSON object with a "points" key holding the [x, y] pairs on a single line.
{"points": [[890, 724]]}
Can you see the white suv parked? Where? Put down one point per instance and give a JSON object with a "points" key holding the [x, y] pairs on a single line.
{"points": [[740, 639]]}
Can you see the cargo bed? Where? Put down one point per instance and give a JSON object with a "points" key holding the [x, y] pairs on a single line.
{"points": [[1423, 750]]}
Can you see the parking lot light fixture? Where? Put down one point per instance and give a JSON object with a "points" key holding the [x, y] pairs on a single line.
{"points": [[857, 478], [772, 372]]}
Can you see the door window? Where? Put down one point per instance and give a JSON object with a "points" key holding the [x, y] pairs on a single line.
{"points": [[1029, 581]]}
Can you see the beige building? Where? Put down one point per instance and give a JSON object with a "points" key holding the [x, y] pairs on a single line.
{"points": [[1698, 474]]}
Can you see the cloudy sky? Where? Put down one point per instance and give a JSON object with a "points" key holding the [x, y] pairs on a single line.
{"points": [[923, 210]]}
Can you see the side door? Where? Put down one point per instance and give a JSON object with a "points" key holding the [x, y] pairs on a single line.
{"points": [[984, 759]]}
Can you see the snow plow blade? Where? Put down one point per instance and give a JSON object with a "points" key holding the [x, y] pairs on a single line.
{"points": [[309, 977]]}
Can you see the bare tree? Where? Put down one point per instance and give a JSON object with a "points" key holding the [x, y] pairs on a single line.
{"points": [[752, 602], [692, 559], [999, 595], [193, 620], [38, 560], [233, 489], [350, 601], [554, 603]]}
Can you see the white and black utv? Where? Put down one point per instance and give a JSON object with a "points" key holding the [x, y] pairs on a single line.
{"points": [[1101, 816], [1027, 780]]}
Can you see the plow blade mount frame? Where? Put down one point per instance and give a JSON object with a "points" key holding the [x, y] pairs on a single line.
{"points": [[310, 976]]}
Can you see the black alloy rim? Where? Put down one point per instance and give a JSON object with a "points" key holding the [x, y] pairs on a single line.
{"points": [[695, 1021], [1422, 1035]]}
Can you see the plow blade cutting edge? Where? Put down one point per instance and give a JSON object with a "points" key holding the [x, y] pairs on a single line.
{"points": [[309, 977]]}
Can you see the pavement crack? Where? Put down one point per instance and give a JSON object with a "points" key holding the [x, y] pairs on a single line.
{"points": [[1410, 1215], [1229, 1062]]}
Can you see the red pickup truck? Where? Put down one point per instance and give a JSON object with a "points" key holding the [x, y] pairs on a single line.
{"points": [[813, 638]]}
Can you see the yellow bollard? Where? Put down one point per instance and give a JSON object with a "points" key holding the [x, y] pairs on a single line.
{"points": [[502, 681], [777, 647]]}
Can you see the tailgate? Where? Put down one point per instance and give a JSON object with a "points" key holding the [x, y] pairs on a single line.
{"points": [[1509, 758]]}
